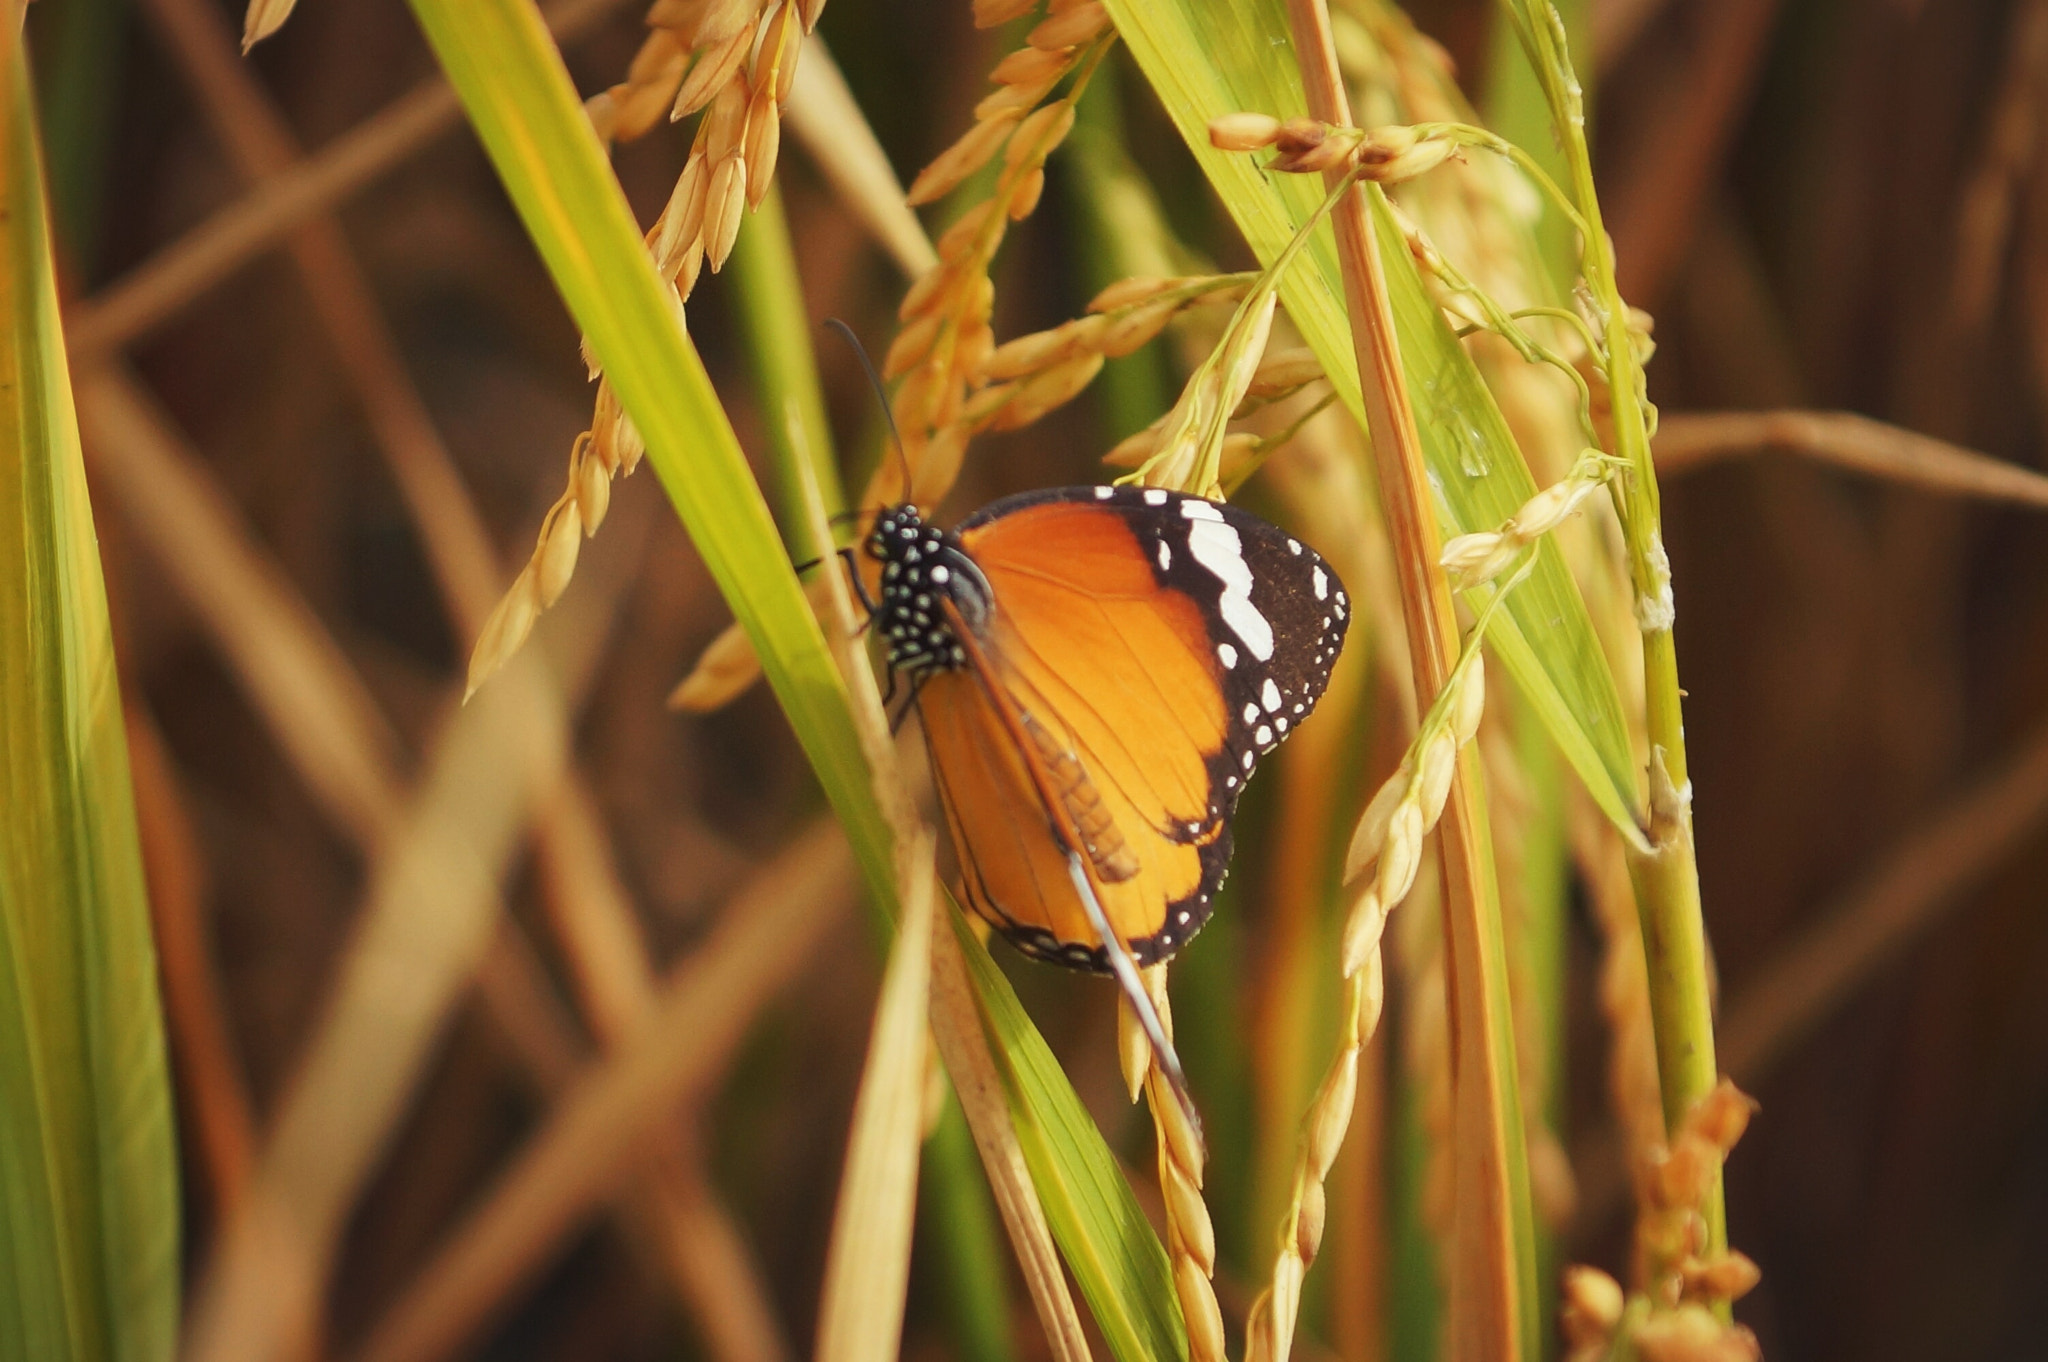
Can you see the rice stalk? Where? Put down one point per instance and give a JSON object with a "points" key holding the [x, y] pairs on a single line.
{"points": [[971, 1062], [1488, 1312], [1667, 877]]}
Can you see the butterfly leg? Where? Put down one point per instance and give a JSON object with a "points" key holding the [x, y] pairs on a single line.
{"points": [[909, 703], [860, 588]]}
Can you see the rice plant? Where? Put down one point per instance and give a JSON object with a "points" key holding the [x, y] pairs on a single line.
{"points": [[566, 946]]}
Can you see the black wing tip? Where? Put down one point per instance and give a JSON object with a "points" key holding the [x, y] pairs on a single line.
{"points": [[1184, 920]]}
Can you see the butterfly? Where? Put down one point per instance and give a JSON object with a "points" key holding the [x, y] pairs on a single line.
{"points": [[1097, 671]]}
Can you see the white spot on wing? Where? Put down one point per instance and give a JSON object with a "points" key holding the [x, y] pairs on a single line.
{"points": [[1165, 555], [1196, 509], [1251, 713], [1269, 696], [1322, 582], [1217, 547], [1264, 737], [1294, 546], [1104, 493], [1248, 760], [1155, 496], [1227, 655]]}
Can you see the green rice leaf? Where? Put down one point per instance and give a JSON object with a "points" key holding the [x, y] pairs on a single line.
{"points": [[1116, 1259], [88, 1165], [1205, 58], [511, 81], [509, 76]]}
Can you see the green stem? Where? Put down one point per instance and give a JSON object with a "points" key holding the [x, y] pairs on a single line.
{"points": [[1667, 878], [779, 340]]}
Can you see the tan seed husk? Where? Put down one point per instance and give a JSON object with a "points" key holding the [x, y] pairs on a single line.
{"points": [[911, 345], [724, 198], [1024, 199], [1138, 327], [1070, 29], [714, 69], [763, 146], [1370, 836], [1030, 353], [1243, 131], [1015, 100], [1038, 134], [1047, 389], [556, 561], [593, 483], [1030, 66], [1136, 289], [970, 153]]}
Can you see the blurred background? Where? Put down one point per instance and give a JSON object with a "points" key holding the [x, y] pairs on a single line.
{"points": [[1834, 205]]}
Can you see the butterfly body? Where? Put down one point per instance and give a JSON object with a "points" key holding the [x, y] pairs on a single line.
{"points": [[1098, 670]]}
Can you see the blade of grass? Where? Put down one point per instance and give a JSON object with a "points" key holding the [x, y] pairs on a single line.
{"points": [[88, 1169], [1117, 1260], [510, 78], [1207, 60]]}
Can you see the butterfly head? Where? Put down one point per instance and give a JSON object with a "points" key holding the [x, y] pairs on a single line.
{"points": [[923, 566]]}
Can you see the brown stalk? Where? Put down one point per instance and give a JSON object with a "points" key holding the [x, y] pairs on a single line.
{"points": [[1624, 985], [1616, 26], [1691, 440], [180, 273], [1484, 1312], [584, 1152], [964, 1047], [293, 672]]}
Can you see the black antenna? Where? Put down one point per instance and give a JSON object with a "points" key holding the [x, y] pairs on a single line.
{"points": [[882, 396]]}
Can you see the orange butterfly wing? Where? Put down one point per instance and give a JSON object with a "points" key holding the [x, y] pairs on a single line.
{"points": [[1101, 710]]}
